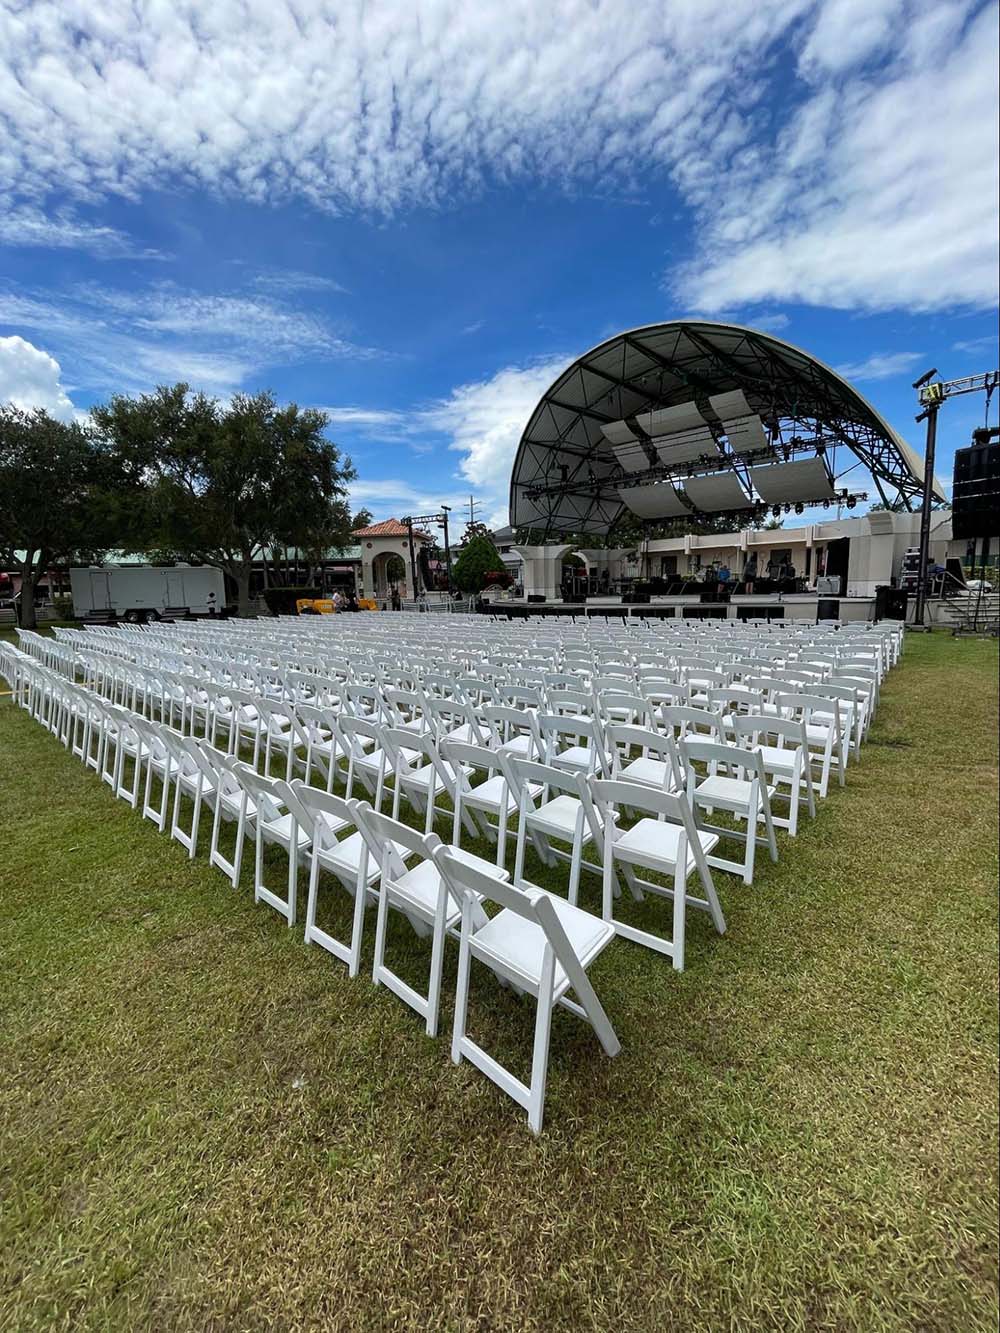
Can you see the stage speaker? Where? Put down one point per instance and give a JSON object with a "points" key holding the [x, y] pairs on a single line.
{"points": [[890, 603], [828, 608], [535, 597], [975, 499]]}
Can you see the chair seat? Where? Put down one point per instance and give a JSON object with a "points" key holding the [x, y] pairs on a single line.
{"points": [[651, 840], [777, 759], [818, 735], [464, 733], [516, 947], [558, 817], [428, 779], [282, 830], [489, 795], [521, 747], [722, 791], [577, 757], [419, 887], [344, 858], [649, 772]]}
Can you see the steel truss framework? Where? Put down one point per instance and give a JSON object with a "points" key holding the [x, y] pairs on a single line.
{"points": [[566, 476]]}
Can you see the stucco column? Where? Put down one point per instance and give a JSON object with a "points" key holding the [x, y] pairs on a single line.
{"points": [[542, 569]]}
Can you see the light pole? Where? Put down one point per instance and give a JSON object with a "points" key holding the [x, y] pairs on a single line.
{"points": [[445, 511]]}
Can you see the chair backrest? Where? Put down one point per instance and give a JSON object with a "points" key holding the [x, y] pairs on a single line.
{"points": [[694, 751], [687, 720], [506, 722], [518, 696], [352, 728], [610, 793], [450, 714], [622, 737], [557, 729], [381, 831], [269, 794], [750, 727], [314, 809]]}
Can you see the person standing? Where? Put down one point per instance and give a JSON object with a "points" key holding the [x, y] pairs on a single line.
{"points": [[750, 573]]}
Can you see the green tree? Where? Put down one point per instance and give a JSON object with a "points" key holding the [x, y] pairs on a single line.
{"points": [[56, 488], [477, 559], [226, 482]]}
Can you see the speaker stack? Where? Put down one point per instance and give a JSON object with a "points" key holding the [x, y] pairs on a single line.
{"points": [[975, 497]]}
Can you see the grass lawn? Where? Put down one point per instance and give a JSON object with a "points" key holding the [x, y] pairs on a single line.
{"points": [[206, 1124]]}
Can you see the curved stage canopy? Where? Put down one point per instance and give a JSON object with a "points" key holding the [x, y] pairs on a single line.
{"points": [[692, 418]]}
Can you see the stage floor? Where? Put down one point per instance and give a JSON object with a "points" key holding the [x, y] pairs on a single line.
{"points": [[793, 606]]}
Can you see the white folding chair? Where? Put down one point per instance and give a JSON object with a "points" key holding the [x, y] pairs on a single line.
{"points": [[668, 843], [275, 823], [569, 816], [420, 893], [574, 744], [325, 817], [537, 944], [784, 750], [656, 765], [491, 797], [741, 789]]}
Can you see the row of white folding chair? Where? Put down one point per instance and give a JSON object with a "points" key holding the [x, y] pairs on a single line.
{"points": [[560, 940]]}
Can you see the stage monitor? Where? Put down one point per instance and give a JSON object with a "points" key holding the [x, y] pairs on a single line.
{"points": [[716, 492], [659, 501], [788, 483]]}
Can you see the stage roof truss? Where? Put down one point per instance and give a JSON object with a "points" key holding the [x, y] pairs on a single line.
{"points": [[777, 404]]}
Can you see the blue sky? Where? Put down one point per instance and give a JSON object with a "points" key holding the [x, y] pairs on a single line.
{"points": [[415, 217]]}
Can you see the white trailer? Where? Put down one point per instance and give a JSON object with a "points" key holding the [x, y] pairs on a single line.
{"points": [[124, 588]]}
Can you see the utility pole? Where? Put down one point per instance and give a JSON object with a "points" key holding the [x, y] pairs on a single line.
{"points": [[472, 510]]}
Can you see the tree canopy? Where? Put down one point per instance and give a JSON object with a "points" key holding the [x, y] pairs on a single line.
{"points": [[58, 496], [224, 482], [476, 561]]}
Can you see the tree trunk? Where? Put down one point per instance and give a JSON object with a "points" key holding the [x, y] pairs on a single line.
{"points": [[28, 579], [241, 574]]}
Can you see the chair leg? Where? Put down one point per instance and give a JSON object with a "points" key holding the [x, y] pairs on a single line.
{"points": [[540, 1052], [462, 984]]}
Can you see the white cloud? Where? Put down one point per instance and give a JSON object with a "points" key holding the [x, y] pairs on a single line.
{"points": [[859, 170], [484, 421], [114, 339], [771, 322], [880, 366], [880, 190], [26, 226], [285, 280], [366, 418], [976, 344], [31, 378], [370, 106]]}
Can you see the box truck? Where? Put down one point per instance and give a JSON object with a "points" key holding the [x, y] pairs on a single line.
{"points": [[143, 588]]}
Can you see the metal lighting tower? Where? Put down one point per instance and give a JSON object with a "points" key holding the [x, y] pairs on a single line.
{"points": [[933, 394], [441, 519]]}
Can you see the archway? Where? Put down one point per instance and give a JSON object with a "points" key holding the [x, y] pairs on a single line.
{"points": [[389, 572]]}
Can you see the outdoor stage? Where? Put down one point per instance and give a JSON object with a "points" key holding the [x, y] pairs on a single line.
{"points": [[791, 606]]}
